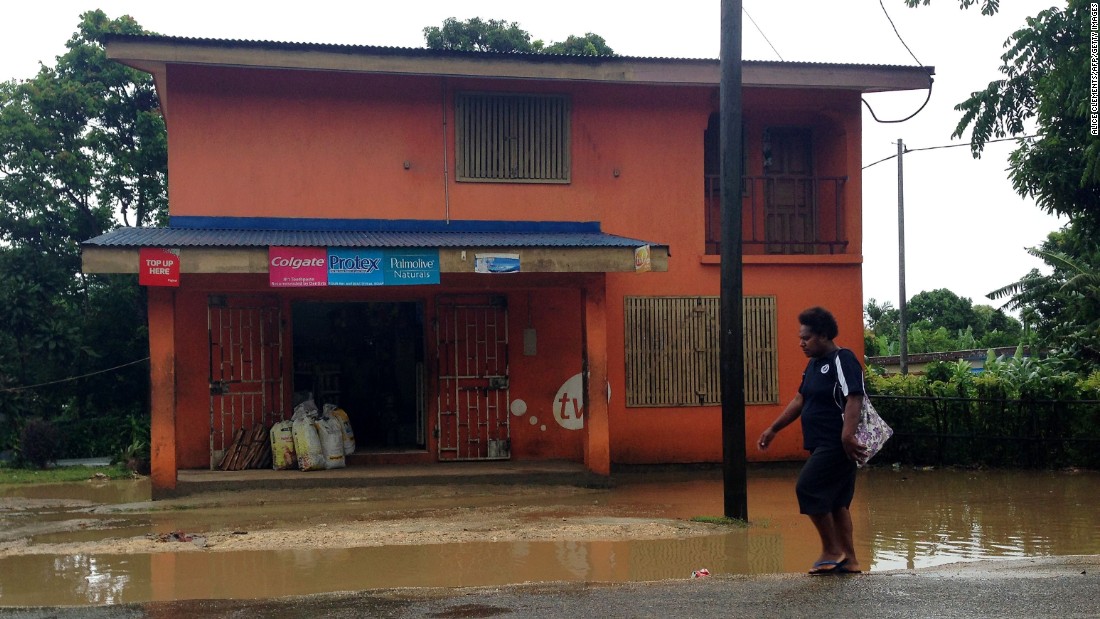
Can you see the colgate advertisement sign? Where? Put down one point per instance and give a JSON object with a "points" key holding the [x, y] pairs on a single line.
{"points": [[297, 267]]}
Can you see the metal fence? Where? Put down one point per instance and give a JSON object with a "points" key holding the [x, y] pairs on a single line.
{"points": [[989, 432]]}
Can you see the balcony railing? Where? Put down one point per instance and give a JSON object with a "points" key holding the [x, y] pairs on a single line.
{"points": [[782, 215]]}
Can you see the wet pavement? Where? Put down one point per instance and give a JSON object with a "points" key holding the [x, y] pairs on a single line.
{"points": [[907, 523], [1058, 587]]}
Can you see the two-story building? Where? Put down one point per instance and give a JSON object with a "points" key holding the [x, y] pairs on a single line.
{"points": [[484, 256]]}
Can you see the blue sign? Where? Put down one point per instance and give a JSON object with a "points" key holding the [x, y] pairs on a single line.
{"points": [[355, 267], [410, 267], [382, 267]]}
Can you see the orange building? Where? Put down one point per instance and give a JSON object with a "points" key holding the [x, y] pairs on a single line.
{"points": [[484, 256]]}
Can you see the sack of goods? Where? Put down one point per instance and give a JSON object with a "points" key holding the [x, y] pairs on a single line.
{"points": [[282, 446], [331, 410], [331, 431], [307, 441]]}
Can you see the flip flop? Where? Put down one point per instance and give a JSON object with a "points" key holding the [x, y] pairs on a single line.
{"points": [[841, 569], [827, 567]]}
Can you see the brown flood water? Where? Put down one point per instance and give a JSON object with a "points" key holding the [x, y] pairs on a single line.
{"points": [[904, 519]]}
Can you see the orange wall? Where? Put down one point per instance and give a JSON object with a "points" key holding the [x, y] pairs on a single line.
{"points": [[693, 434], [254, 143], [284, 144]]}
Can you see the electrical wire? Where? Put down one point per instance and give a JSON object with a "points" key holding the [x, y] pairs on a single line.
{"points": [[766, 40], [910, 150], [919, 64], [72, 378], [889, 19]]}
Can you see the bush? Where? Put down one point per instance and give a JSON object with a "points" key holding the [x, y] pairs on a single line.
{"points": [[1018, 412], [39, 442]]}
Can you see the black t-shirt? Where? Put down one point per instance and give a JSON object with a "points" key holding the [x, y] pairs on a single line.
{"points": [[824, 391]]}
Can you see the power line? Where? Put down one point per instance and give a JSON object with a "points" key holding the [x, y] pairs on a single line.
{"points": [[889, 19], [72, 378], [911, 150], [746, 12], [919, 64]]}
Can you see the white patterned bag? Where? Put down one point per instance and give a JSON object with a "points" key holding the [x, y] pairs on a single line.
{"points": [[872, 431]]}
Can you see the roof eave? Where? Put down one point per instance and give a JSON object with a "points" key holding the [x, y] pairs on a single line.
{"points": [[154, 54]]}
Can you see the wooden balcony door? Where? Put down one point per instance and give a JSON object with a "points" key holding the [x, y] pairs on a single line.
{"points": [[789, 212]]}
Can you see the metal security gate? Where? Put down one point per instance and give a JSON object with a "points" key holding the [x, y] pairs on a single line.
{"points": [[246, 351], [472, 357]]}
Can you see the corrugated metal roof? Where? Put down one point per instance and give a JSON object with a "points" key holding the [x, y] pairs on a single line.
{"points": [[348, 48], [177, 237]]}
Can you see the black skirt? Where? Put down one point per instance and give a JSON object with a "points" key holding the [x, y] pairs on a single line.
{"points": [[827, 481]]}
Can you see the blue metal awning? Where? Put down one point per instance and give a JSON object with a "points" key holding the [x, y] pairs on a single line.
{"points": [[173, 237], [266, 232], [240, 245]]}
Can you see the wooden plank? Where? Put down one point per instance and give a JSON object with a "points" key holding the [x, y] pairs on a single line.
{"points": [[231, 453]]}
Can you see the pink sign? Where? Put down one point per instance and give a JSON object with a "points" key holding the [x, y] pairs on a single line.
{"points": [[158, 267], [297, 267]]}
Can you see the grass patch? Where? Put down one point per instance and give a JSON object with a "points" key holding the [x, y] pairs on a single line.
{"points": [[722, 520], [60, 474]]}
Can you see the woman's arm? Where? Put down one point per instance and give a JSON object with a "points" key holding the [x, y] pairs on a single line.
{"points": [[852, 408], [786, 418]]}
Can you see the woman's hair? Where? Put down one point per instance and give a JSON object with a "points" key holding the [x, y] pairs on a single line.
{"points": [[820, 321]]}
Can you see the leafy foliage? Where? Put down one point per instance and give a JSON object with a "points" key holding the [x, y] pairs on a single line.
{"points": [[1046, 68], [1063, 306], [82, 150], [588, 45], [39, 443], [989, 7], [497, 35], [939, 321], [1019, 411]]}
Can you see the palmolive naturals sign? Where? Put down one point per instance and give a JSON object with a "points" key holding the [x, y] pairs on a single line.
{"points": [[302, 267], [297, 267]]}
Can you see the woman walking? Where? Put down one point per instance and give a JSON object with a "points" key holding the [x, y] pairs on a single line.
{"points": [[828, 401]]}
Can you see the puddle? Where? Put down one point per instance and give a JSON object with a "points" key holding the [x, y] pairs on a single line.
{"points": [[903, 519]]}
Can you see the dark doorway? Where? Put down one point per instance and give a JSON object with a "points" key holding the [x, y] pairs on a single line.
{"points": [[368, 359]]}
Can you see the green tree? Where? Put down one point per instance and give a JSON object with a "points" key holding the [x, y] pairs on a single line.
{"points": [[881, 327], [940, 321], [1046, 83], [942, 308], [498, 35], [82, 150], [479, 35], [1063, 306], [588, 45]]}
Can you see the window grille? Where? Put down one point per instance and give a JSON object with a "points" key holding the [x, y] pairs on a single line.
{"points": [[672, 351], [512, 138]]}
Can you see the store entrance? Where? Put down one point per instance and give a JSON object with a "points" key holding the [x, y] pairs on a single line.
{"points": [[368, 359]]}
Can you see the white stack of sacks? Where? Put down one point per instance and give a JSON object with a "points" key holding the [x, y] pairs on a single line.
{"points": [[318, 440], [331, 410]]}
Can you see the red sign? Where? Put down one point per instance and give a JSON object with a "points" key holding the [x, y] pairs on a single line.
{"points": [[159, 267], [297, 267]]}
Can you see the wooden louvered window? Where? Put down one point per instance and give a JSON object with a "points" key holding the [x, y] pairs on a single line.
{"points": [[512, 138], [672, 351]]}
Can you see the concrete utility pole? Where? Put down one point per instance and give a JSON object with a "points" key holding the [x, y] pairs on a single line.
{"points": [[732, 319], [903, 322]]}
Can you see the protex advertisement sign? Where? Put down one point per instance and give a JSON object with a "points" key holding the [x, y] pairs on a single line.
{"points": [[355, 267], [340, 266]]}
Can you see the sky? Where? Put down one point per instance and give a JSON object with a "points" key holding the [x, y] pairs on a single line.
{"points": [[965, 227]]}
